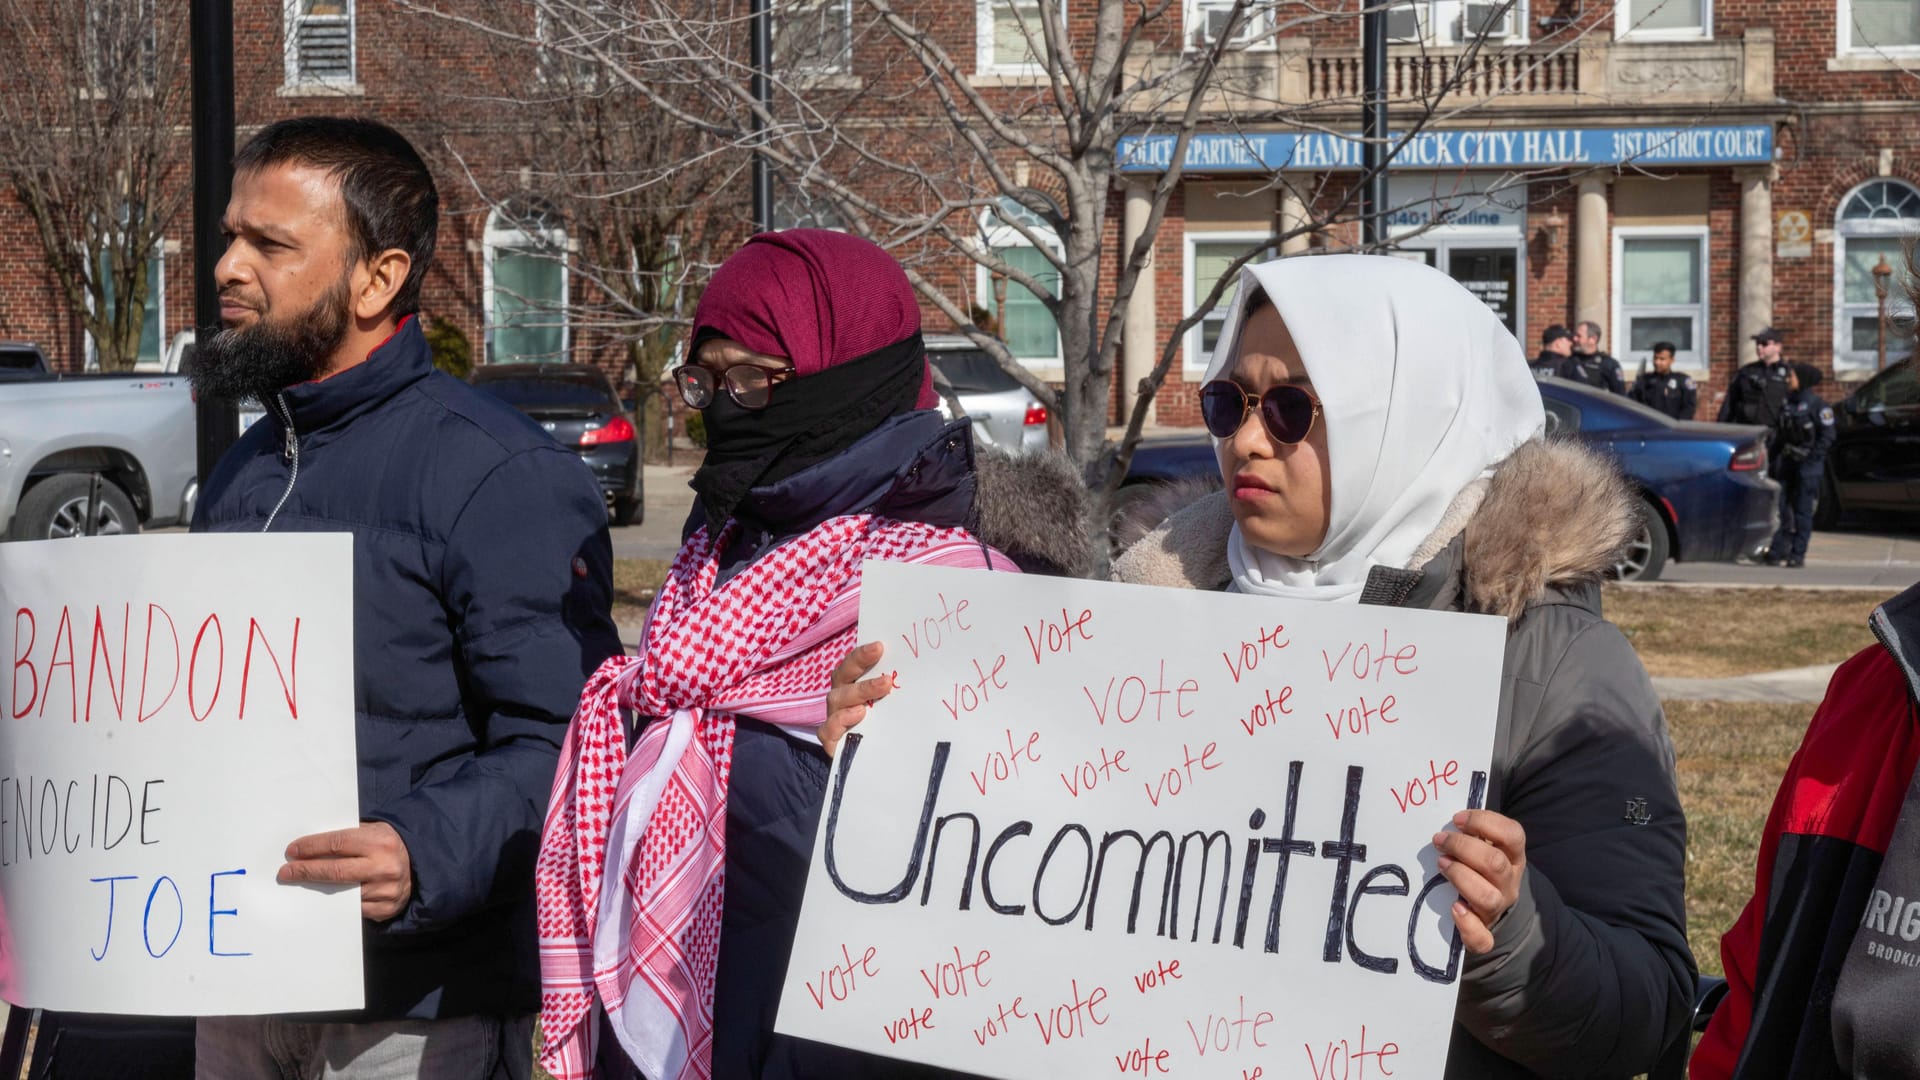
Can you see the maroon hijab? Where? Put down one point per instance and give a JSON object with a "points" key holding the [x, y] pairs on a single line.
{"points": [[814, 296]]}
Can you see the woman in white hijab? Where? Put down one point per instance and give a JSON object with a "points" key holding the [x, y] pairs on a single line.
{"points": [[1379, 436]]}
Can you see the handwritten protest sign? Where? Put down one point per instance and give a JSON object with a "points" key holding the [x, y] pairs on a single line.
{"points": [[1109, 830], [178, 708]]}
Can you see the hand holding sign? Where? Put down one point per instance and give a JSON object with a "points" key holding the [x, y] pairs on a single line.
{"points": [[371, 856], [1485, 861], [850, 699]]}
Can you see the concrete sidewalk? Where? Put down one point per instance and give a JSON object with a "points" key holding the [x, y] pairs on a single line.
{"points": [[1796, 685]]}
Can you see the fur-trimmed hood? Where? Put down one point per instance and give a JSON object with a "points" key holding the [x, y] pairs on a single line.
{"points": [[1554, 516], [1033, 509]]}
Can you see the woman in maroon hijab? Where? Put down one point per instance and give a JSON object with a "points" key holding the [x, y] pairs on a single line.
{"points": [[822, 451]]}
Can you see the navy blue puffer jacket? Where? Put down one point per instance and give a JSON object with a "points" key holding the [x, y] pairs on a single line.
{"points": [[481, 594]]}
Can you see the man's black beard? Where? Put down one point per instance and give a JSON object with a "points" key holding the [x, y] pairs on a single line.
{"points": [[260, 360]]}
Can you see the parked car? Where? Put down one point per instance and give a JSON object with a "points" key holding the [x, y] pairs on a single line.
{"points": [[972, 383], [22, 361], [1704, 491], [95, 454], [1875, 460], [577, 405]]}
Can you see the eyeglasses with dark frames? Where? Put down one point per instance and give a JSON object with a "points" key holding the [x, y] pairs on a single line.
{"points": [[749, 385]]}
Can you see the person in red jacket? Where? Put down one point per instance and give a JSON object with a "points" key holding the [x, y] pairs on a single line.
{"points": [[1823, 965]]}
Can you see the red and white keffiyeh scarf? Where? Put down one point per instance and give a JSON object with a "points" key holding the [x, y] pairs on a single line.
{"points": [[629, 881]]}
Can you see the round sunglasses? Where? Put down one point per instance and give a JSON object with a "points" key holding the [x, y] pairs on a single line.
{"points": [[750, 386], [1286, 410]]}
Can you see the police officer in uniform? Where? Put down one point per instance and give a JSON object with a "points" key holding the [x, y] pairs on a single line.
{"points": [[1805, 434], [1556, 346], [1664, 389], [1591, 366], [1758, 392]]}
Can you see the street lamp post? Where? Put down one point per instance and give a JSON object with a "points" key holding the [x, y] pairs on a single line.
{"points": [[1882, 272], [1373, 121], [760, 50], [217, 423]]}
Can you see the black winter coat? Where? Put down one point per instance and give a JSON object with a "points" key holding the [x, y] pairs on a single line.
{"points": [[482, 586]]}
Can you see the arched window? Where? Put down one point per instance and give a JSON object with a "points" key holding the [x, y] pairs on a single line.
{"points": [[1875, 220], [526, 286], [1025, 323]]}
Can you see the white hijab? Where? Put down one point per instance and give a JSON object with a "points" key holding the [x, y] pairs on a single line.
{"points": [[1422, 390]]}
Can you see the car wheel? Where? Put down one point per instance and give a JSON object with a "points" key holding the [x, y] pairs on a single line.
{"points": [[1646, 554], [58, 508], [628, 511], [1826, 507]]}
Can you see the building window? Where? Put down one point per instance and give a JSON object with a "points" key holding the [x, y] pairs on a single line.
{"points": [[1011, 39], [1875, 221], [813, 37], [1660, 293], [1880, 26], [526, 288], [1207, 20], [1026, 325], [1663, 19], [320, 41], [1458, 22], [1208, 256], [122, 44], [153, 322]]}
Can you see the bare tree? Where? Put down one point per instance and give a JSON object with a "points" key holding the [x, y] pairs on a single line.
{"points": [[585, 174], [89, 146], [877, 124]]}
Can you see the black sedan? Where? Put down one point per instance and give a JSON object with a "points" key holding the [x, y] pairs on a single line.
{"points": [[1703, 487], [577, 405], [1875, 460]]}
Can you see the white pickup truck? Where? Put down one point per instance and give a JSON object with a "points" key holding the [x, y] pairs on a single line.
{"points": [[95, 454]]}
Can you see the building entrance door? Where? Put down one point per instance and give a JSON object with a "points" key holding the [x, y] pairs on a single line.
{"points": [[1490, 270]]}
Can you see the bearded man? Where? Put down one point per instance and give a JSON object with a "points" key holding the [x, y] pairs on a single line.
{"points": [[482, 584]]}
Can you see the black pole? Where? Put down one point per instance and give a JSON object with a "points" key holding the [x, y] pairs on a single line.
{"points": [[212, 52], [1373, 120], [762, 54]]}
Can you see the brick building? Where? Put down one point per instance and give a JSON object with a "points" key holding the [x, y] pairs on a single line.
{"points": [[1682, 170]]}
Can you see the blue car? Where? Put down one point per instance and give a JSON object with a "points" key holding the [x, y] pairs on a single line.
{"points": [[1704, 488]]}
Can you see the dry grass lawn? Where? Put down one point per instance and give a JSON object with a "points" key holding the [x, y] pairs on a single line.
{"points": [[1712, 633], [1731, 758], [634, 583]]}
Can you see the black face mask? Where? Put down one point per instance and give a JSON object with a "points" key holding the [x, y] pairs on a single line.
{"points": [[807, 421]]}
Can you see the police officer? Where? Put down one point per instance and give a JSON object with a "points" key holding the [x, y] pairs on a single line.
{"points": [[1806, 432], [1556, 345], [1591, 366], [1664, 389], [1759, 390]]}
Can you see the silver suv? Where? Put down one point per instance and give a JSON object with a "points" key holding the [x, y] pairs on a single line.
{"points": [[972, 383]]}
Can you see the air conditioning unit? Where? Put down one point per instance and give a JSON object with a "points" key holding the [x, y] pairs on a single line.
{"points": [[1491, 21], [1403, 22]]}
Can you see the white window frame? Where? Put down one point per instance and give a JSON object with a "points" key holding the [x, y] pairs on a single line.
{"points": [[1256, 34], [1620, 336], [843, 65], [1624, 30], [1845, 356], [1844, 45], [504, 235], [156, 301], [983, 41], [291, 51], [1437, 19], [1193, 356], [994, 235]]}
